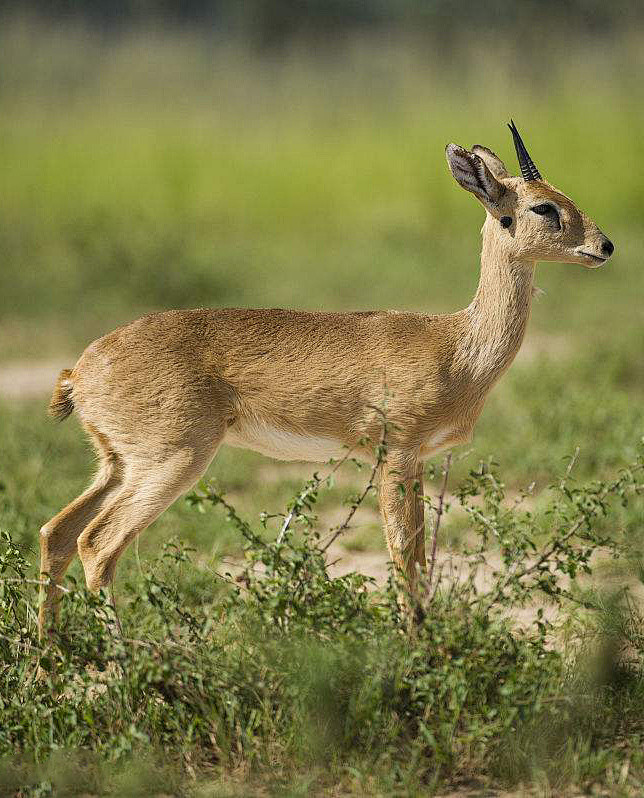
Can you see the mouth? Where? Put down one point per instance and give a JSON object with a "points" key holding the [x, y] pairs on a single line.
{"points": [[595, 258]]}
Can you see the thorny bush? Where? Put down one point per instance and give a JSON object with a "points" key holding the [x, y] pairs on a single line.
{"points": [[285, 664]]}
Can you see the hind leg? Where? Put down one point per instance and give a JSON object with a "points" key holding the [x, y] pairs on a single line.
{"points": [[148, 489], [59, 535]]}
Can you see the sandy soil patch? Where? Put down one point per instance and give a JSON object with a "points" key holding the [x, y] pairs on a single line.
{"points": [[30, 380]]}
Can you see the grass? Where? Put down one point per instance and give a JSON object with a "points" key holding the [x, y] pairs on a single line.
{"points": [[157, 170], [154, 173], [312, 682]]}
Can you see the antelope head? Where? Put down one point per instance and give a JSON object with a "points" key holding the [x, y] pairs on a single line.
{"points": [[527, 218]]}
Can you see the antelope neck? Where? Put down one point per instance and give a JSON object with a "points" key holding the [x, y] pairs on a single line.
{"points": [[498, 314]]}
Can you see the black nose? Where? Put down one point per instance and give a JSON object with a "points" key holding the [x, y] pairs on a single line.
{"points": [[608, 248]]}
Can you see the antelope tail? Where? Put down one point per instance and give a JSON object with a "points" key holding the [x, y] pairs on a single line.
{"points": [[62, 404]]}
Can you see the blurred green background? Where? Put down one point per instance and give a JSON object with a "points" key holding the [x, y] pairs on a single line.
{"points": [[266, 153]]}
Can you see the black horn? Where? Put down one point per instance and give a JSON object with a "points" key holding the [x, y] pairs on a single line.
{"points": [[528, 170]]}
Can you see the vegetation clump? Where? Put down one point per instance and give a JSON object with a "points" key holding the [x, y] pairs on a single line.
{"points": [[284, 669]]}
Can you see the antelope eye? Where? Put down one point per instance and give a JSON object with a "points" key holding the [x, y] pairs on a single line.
{"points": [[542, 210], [546, 209]]}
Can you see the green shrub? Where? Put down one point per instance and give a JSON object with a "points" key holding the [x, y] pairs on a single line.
{"points": [[286, 668]]}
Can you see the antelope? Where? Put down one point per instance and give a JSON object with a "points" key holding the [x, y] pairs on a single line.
{"points": [[160, 395]]}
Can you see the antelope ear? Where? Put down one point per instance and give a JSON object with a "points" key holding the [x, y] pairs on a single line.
{"points": [[492, 161], [472, 174]]}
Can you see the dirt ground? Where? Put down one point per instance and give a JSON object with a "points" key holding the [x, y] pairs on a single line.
{"points": [[30, 380]]}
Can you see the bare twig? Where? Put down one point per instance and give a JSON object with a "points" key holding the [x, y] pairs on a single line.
{"points": [[33, 582], [309, 490], [523, 495], [243, 526], [380, 458], [224, 578], [569, 468], [290, 516], [112, 601], [439, 514]]}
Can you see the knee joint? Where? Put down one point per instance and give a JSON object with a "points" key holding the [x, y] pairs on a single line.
{"points": [[97, 563], [86, 549]]}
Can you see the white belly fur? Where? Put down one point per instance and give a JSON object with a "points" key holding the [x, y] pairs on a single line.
{"points": [[437, 440], [283, 445], [441, 439]]}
